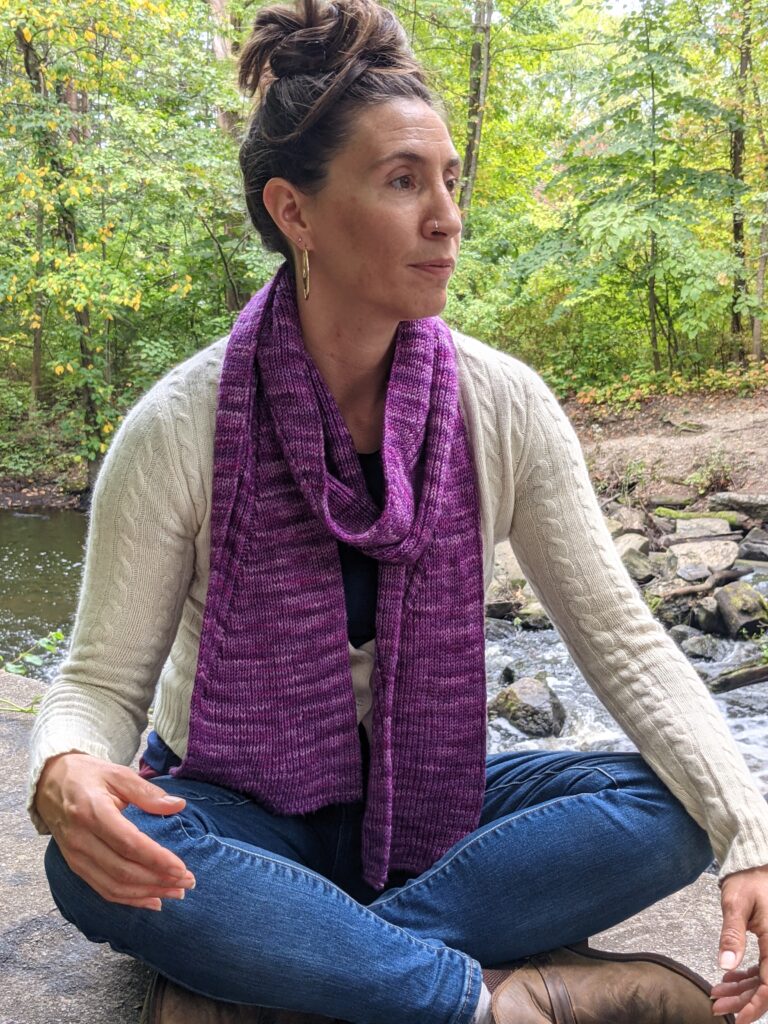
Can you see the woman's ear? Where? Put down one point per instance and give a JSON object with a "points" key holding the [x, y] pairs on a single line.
{"points": [[286, 205]]}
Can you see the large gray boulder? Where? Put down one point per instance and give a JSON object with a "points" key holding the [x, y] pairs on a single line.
{"points": [[754, 505], [530, 705], [754, 547], [52, 975], [713, 555]]}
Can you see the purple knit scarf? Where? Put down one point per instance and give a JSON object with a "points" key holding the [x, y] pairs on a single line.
{"points": [[273, 709]]}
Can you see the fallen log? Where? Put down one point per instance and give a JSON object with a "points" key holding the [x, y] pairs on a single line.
{"points": [[744, 675], [717, 579]]}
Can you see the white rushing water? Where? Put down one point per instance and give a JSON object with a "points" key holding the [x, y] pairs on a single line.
{"points": [[588, 725]]}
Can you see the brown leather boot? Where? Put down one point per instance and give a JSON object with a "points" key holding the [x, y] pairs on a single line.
{"points": [[168, 1003], [590, 986]]}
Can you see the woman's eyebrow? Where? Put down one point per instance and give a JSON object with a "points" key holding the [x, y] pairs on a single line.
{"points": [[411, 156]]}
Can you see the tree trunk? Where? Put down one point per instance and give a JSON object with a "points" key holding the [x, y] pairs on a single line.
{"points": [[745, 675], [762, 259], [479, 71], [37, 325], [652, 314], [738, 146], [762, 255], [229, 122]]}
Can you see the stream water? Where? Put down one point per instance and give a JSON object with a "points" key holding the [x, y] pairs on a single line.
{"points": [[41, 557]]}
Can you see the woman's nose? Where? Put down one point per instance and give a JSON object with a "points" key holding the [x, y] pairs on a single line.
{"points": [[444, 218]]}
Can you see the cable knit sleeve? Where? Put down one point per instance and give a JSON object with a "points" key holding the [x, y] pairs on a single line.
{"points": [[138, 564], [646, 683]]}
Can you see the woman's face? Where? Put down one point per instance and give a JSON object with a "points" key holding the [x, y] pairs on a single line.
{"points": [[373, 237]]}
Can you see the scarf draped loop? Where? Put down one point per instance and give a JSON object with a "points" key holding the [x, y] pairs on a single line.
{"points": [[273, 711]]}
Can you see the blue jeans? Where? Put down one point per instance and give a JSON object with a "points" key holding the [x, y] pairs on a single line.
{"points": [[568, 844]]}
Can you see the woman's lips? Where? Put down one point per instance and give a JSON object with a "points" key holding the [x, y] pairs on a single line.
{"points": [[438, 269]]}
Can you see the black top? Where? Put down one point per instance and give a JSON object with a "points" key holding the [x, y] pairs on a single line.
{"points": [[360, 572]]}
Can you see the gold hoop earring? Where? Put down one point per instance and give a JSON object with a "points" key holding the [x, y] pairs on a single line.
{"points": [[305, 272]]}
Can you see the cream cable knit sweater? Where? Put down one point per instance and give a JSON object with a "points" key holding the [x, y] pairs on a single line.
{"points": [[146, 575]]}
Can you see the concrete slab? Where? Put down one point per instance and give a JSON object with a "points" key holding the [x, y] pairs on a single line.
{"points": [[52, 975]]}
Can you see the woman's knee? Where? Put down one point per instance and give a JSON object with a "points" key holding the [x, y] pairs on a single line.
{"points": [[100, 920], [73, 897], [688, 851]]}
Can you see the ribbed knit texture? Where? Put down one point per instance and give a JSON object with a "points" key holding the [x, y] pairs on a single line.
{"points": [[146, 578], [273, 712]]}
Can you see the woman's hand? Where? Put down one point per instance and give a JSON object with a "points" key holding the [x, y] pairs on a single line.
{"points": [[80, 799], [744, 896]]}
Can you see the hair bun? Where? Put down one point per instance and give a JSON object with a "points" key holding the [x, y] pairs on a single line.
{"points": [[297, 56], [317, 37]]}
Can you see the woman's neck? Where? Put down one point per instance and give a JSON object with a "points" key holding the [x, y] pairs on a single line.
{"points": [[354, 357]]}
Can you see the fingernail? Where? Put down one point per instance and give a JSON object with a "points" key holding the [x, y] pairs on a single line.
{"points": [[727, 960]]}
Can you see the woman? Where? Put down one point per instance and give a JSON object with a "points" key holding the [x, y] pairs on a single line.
{"points": [[293, 531]]}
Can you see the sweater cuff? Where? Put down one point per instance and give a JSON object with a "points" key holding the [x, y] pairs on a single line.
{"points": [[43, 752], [749, 848]]}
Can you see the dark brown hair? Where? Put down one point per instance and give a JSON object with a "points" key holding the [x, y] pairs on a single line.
{"points": [[314, 65]]}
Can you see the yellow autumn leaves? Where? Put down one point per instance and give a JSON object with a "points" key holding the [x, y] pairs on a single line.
{"points": [[186, 288]]}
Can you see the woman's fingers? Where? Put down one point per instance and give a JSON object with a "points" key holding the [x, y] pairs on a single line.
{"points": [[81, 799], [735, 988], [736, 980], [117, 880], [130, 788], [741, 992], [129, 844], [107, 888], [756, 1006]]}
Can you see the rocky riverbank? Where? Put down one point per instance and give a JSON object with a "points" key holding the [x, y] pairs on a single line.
{"points": [[703, 572]]}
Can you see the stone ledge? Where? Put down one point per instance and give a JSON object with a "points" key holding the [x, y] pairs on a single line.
{"points": [[52, 975]]}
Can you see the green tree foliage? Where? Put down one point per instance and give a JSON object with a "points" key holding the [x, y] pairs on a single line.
{"points": [[124, 244], [601, 235]]}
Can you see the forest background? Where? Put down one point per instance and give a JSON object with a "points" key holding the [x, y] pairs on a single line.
{"points": [[615, 198]]}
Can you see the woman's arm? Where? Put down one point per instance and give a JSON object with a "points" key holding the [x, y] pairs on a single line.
{"points": [[647, 684], [639, 674], [139, 561], [138, 564]]}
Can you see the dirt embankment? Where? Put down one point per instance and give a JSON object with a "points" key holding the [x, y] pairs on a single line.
{"points": [[678, 444]]}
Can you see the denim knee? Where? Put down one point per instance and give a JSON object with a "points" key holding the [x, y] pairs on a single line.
{"points": [[63, 882], [98, 919], [689, 851]]}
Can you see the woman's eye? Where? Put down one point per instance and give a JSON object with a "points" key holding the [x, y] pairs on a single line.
{"points": [[398, 182], [452, 184]]}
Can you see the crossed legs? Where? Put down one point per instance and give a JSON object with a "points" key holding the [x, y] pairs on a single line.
{"points": [[568, 844]]}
